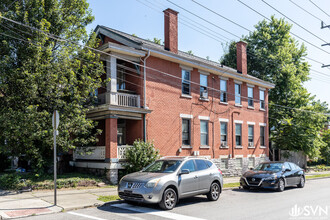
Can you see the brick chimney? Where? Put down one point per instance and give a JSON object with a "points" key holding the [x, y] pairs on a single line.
{"points": [[171, 30], [241, 57]]}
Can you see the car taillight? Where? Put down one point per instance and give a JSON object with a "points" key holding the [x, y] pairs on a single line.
{"points": [[220, 171]]}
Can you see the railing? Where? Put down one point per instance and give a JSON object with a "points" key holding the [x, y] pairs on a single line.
{"points": [[121, 154], [121, 99], [89, 153]]}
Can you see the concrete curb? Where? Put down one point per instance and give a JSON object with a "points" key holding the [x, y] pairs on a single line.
{"points": [[318, 178]]}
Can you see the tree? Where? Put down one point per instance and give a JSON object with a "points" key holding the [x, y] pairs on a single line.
{"points": [[273, 55], [325, 150], [40, 74]]}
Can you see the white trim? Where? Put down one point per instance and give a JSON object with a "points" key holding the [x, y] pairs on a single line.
{"points": [[224, 103], [238, 82], [204, 147], [186, 116], [223, 119], [238, 156], [203, 72], [239, 147], [186, 96], [189, 68], [263, 147], [262, 124], [223, 78], [250, 107], [204, 117], [251, 155], [186, 147], [262, 109], [223, 156], [262, 155], [251, 123], [262, 89], [238, 122], [250, 85], [238, 105]]}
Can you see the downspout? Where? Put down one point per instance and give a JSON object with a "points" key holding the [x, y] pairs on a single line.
{"points": [[144, 96]]}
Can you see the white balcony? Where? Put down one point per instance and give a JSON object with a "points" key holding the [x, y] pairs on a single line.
{"points": [[121, 99], [89, 153], [121, 154]]}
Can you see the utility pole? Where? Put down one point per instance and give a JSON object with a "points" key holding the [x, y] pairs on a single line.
{"points": [[56, 121], [328, 44]]}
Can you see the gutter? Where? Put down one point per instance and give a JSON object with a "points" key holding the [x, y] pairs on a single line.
{"points": [[144, 95]]}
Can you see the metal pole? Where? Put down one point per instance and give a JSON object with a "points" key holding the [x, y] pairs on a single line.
{"points": [[55, 165]]}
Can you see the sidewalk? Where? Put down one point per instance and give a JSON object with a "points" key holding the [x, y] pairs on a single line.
{"points": [[14, 205]]}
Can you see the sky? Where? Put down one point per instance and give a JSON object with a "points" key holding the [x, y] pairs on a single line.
{"points": [[206, 33]]}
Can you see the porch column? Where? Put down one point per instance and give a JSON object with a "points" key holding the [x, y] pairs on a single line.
{"points": [[112, 85], [110, 139]]}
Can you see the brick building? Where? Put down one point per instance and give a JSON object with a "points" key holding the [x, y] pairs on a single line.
{"points": [[186, 104]]}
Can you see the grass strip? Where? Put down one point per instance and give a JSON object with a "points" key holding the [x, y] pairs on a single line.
{"points": [[108, 198], [318, 176], [231, 185]]}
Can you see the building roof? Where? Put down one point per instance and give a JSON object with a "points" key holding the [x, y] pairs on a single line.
{"points": [[142, 44]]}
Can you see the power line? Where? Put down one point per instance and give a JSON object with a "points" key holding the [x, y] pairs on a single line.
{"points": [[305, 10], [319, 8], [293, 21], [150, 68]]}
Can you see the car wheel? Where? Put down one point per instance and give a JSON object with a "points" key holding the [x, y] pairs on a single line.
{"points": [[214, 192], [246, 187], [280, 185], [169, 199], [302, 182]]}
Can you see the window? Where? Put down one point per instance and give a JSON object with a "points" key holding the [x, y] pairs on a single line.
{"points": [[251, 162], [239, 163], [262, 99], [238, 134], [186, 132], [204, 133], [223, 163], [189, 165], [262, 136], [237, 94], [185, 82], [250, 96], [250, 135], [223, 134], [121, 79], [201, 165], [223, 90], [203, 86], [287, 166], [121, 132]]}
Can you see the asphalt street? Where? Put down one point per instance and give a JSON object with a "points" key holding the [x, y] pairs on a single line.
{"points": [[311, 202]]}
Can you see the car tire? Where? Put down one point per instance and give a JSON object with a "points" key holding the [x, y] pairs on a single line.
{"points": [[214, 193], [246, 187], [169, 199], [301, 182], [280, 185]]}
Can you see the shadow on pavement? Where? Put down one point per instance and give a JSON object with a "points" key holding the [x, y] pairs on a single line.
{"points": [[262, 190]]}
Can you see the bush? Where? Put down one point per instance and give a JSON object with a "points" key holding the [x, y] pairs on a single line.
{"points": [[140, 155], [10, 181]]}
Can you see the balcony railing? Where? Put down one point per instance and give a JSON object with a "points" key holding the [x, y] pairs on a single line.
{"points": [[121, 99], [121, 154], [89, 153]]}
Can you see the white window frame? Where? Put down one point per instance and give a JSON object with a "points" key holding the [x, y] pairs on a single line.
{"points": [[250, 98], [224, 91], [225, 143], [207, 134], [262, 99], [186, 82], [249, 126], [241, 144], [203, 86], [189, 133], [238, 95]]}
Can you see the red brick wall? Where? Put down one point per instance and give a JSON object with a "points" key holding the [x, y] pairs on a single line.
{"points": [[134, 131], [110, 138], [165, 101]]}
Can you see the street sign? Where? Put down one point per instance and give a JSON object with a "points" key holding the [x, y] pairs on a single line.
{"points": [[56, 118]]}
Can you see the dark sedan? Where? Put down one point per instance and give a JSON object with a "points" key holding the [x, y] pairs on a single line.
{"points": [[274, 175]]}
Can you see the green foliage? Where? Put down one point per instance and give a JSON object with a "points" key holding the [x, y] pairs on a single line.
{"points": [[190, 52], [275, 56], [9, 181], [108, 198], [140, 155], [5, 162], [325, 150], [157, 41], [40, 74]]}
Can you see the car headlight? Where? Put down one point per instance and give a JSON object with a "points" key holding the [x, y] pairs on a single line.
{"points": [[274, 177], [152, 183]]}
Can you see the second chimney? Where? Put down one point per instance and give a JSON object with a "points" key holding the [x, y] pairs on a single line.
{"points": [[171, 30], [241, 57]]}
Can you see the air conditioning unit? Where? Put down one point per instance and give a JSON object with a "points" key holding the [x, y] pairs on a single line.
{"points": [[251, 144], [196, 153], [204, 94], [224, 144]]}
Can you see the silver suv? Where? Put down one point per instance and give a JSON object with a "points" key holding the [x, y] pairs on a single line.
{"points": [[169, 179]]}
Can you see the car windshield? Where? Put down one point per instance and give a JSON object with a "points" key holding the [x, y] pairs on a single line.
{"points": [[275, 167], [163, 166]]}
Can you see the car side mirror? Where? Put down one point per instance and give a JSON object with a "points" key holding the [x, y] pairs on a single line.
{"points": [[184, 171], [287, 170], [251, 168]]}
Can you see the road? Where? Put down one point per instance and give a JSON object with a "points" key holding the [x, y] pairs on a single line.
{"points": [[311, 202]]}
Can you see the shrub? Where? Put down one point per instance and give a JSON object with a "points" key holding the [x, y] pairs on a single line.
{"points": [[140, 155], [10, 181]]}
